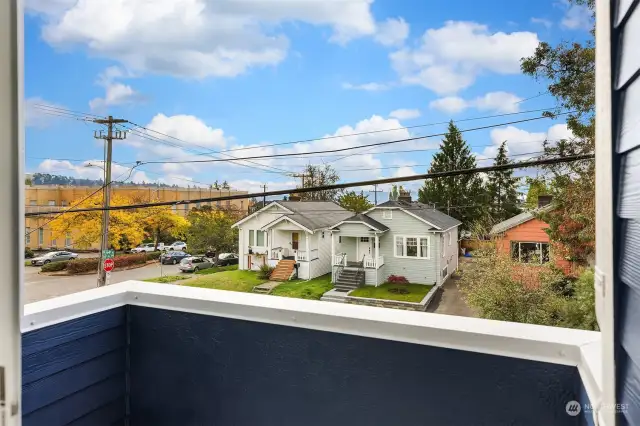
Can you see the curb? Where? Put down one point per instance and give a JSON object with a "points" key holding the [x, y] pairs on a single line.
{"points": [[65, 274]]}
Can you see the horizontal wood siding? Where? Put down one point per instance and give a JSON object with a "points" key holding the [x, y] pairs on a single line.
{"points": [[532, 231], [419, 271], [190, 369], [355, 230], [74, 370], [255, 223], [626, 166]]}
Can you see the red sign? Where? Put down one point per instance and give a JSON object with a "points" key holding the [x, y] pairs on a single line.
{"points": [[108, 265]]}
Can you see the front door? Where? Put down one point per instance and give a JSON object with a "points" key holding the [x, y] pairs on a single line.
{"points": [[365, 247], [295, 237]]}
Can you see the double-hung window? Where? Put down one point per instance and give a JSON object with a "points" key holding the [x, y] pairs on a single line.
{"points": [[257, 238], [412, 246]]}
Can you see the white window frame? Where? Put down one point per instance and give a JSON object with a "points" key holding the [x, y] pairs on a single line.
{"points": [[404, 246], [387, 214], [539, 243], [253, 242], [40, 237]]}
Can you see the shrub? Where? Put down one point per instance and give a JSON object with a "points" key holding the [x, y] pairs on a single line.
{"points": [[55, 266], [80, 266], [153, 255], [28, 253], [130, 259], [265, 271], [397, 279]]}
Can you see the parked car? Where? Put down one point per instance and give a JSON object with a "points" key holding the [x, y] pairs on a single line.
{"points": [[177, 246], [149, 247], [54, 256], [227, 259], [195, 263], [173, 257]]}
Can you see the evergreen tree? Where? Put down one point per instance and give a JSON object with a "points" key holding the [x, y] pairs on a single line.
{"points": [[502, 189], [458, 196]]}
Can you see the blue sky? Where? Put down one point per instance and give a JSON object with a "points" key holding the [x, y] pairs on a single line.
{"points": [[229, 74]]}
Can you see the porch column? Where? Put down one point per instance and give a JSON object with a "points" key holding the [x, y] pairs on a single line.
{"points": [[333, 249], [377, 250], [306, 240]]}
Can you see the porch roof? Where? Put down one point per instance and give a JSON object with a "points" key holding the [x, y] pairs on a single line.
{"points": [[365, 220], [311, 221]]}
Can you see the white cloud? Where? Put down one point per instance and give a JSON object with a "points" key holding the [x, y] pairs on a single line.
{"points": [[576, 17], [450, 58], [542, 21], [195, 38], [92, 169], [116, 93], [41, 113], [501, 102], [185, 131], [392, 32], [367, 87], [521, 142], [405, 114]]}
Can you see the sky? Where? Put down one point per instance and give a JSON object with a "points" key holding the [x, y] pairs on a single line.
{"points": [[197, 77]]}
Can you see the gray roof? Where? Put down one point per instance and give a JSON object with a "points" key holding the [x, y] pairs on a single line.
{"points": [[517, 220], [426, 212], [315, 215], [369, 221]]}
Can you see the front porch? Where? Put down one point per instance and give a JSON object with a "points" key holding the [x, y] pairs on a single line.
{"points": [[356, 261], [295, 245]]}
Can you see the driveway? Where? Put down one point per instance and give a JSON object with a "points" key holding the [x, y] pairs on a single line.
{"points": [[40, 287], [449, 299]]}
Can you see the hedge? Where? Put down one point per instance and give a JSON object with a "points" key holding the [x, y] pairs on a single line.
{"points": [[55, 266], [154, 255], [80, 266]]}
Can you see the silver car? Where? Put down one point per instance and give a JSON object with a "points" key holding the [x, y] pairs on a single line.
{"points": [[195, 263], [54, 256]]}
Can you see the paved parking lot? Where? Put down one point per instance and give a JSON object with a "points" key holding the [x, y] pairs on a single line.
{"points": [[40, 287]]}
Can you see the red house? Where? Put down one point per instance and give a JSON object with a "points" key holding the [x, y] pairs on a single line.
{"points": [[524, 239]]}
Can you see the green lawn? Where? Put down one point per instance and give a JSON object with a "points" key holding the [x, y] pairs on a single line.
{"points": [[167, 279], [217, 269], [416, 292], [312, 289], [227, 280]]}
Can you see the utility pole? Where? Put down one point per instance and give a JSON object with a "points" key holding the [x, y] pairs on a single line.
{"points": [[375, 194], [264, 197], [299, 175], [106, 199]]}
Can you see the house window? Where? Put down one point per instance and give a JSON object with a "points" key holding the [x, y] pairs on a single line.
{"points": [[526, 252], [63, 203], [27, 238], [218, 203], [387, 214], [339, 240], [241, 204], [323, 235], [40, 237], [33, 203], [416, 247], [364, 239], [52, 202], [260, 237], [67, 239], [54, 243], [257, 238]]}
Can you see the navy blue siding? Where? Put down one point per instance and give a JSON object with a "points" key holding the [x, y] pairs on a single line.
{"points": [[74, 369], [189, 369], [626, 140]]}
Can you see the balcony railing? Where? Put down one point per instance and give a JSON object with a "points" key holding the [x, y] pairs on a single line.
{"points": [[152, 354]]}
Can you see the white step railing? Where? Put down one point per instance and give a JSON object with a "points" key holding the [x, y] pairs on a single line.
{"points": [[369, 262], [339, 259]]}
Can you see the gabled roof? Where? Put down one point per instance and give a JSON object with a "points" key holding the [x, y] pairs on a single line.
{"points": [[312, 215], [366, 220], [424, 212], [519, 219], [254, 214]]}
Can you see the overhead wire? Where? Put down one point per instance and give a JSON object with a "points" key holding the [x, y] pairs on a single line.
{"points": [[518, 165]]}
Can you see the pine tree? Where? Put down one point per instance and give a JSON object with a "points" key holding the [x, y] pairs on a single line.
{"points": [[502, 189], [458, 196]]}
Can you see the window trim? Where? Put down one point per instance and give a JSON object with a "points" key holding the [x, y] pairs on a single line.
{"points": [[404, 246], [253, 242], [519, 260]]}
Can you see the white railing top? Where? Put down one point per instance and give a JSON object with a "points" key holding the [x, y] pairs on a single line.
{"points": [[526, 341]]}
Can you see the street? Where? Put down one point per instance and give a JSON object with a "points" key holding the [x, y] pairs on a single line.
{"points": [[39, 287]]}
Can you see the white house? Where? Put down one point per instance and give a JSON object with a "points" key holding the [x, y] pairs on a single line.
{"points": [[288, 233]]}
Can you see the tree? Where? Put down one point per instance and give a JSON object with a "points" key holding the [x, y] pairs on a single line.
{"points": [[355, 202], [570, 70], [393, 195], [502, 189], [160, 222], [211, 228], [124, 225], [459, 196], [537, 187], [319, 176]]}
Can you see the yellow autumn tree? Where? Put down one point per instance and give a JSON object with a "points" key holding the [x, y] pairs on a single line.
{"points": [[160, 221], [127, 228]]}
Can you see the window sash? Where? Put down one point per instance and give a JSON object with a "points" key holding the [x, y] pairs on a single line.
{"points": [[260, 237], [251, 237], [523, 252], [399, 247], [424, 247], [413, 247], [41, 236]]}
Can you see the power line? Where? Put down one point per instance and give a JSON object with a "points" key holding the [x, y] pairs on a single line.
{"points": [[350, 148], [520, 165]]}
